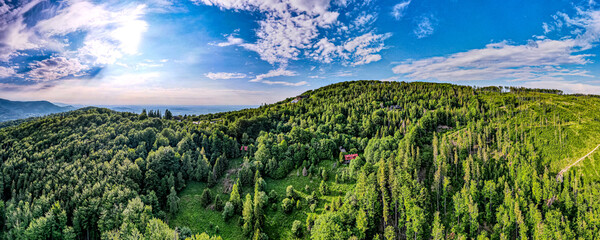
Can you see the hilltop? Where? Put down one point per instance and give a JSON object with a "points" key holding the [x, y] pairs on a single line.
{"points": [[12, 110], [434, 161]]}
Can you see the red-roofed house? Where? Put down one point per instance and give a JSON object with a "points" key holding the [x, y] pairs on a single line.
{"points": [[349, 157], [244, 148]]}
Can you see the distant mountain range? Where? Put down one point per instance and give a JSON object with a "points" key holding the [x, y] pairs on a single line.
{"points": [[11, 110]]}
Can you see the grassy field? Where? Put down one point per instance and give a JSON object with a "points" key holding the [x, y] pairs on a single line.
{"points": [[200, 219], [277, 225], [590, 167]]}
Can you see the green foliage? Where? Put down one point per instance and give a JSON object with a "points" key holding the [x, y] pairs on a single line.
{"points": [[287, 205], [289, 192], [158, 230], [206, 197], [228, 211], [297, 229], [173, 201], [436, 160], [248, 215], [235, 198], [323, 189]]}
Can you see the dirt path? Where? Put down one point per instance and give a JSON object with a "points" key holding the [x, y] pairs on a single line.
{"points": [[560, 174]]}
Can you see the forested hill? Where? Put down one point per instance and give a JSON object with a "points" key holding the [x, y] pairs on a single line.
{"points": [[12, 110], [435, 161]]}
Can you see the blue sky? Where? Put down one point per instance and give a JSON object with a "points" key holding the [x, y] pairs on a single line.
{"points": [[206, 52]]}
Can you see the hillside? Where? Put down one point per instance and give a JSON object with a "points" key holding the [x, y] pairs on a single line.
{"points": [[12, 110], [435, 161]]}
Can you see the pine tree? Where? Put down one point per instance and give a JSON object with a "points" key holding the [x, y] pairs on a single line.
{"points": [[437, 232], [173, 201], [247, 215], [235, 197]]}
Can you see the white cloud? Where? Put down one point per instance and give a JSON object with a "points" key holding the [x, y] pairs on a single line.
{"points": [[297, 84], [344, 74], [280, 72], [274, 73], [566, 86], [364, 19], [231, 40], [6, 72], [498, 61], [55, 68], [295, 29], [325, 51], [14, 34], [399, 9], [224, 75], [425, 27], [282, 37], [540, 59], [311, 7], [355, 51], [109, 34], [364, 49]]}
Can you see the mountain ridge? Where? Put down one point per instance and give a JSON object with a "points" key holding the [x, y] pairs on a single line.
{"points": [[13, 110]]}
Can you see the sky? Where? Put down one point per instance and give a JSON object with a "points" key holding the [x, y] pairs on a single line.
{"points": [[249, 52]]}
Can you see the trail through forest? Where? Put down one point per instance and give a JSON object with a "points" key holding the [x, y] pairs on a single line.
{"points": [[560, 174]]}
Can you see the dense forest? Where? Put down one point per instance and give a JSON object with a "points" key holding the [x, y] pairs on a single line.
{"points": [[435, 161]]}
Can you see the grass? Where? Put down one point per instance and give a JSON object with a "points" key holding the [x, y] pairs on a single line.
{"points": [[277, 224], [590, 167], [200, 219]]}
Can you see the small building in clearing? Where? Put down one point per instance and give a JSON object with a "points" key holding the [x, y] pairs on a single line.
{"points": [[349, 157]]}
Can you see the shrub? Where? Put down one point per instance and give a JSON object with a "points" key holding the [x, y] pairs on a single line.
{"points": [[297, 228], [287, 205], [228, 211], [323, 188], [218, 203], [289, 192], [184, 232], [273, 196], [313, 207], [205, 198]]}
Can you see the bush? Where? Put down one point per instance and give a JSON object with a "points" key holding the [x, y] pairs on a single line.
{"points": [[287, 205], [289, 192], [184, 232], [312, 198], [273, 196], [313, 207], [218, 203], [228, 211], [297, 228], [323, 188], [205, 198]]}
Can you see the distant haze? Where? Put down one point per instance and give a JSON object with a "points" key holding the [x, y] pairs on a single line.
{"points": [[178, 109]]}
